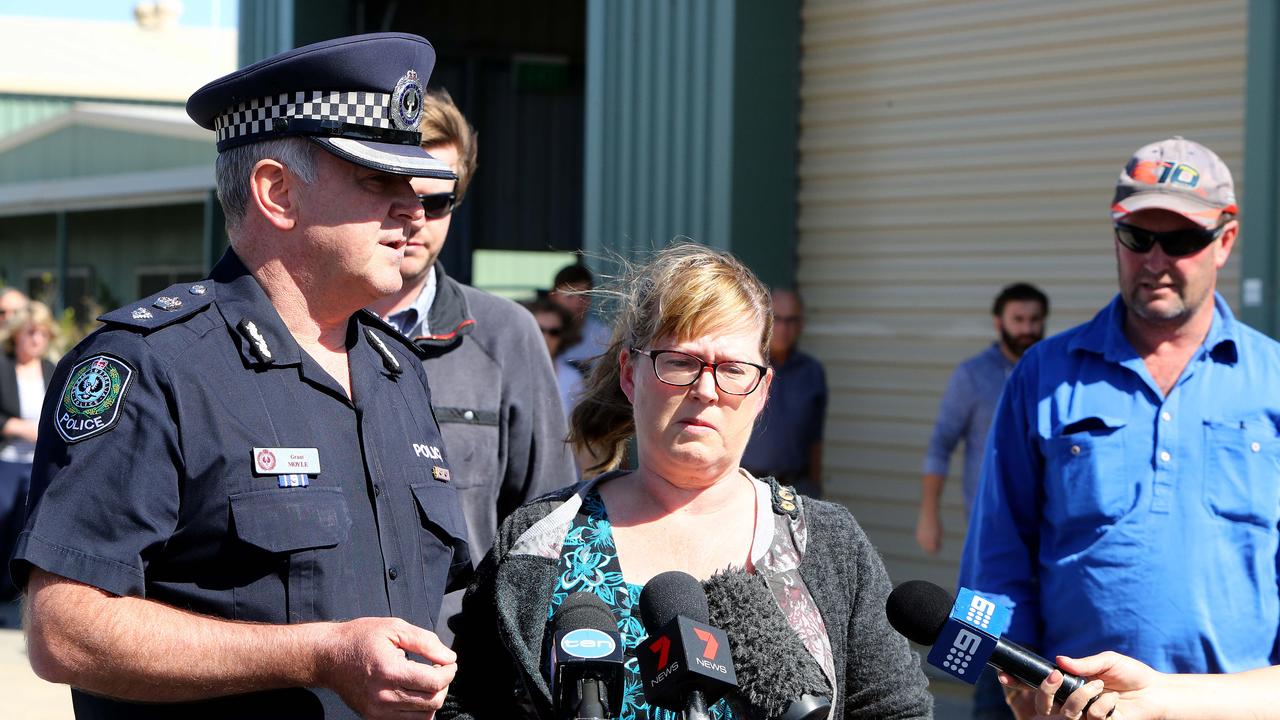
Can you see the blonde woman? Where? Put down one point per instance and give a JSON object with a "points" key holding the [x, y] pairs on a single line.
{"points": [[25, 369], [685, 375]]}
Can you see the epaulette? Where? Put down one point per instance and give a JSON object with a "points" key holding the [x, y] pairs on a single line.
{"points": [[371, 318], [166, 307]]}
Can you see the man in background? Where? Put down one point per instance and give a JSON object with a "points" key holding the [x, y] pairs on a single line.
{"points": [[11, 300], [787, 440], [492, 385], [1018, 315], [571, 290]]}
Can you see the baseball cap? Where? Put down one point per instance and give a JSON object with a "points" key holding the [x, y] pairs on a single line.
{"points": [[1178, 175], [359, 97]]}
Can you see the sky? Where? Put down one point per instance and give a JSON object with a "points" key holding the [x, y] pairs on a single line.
{"points": [[194, 12]]}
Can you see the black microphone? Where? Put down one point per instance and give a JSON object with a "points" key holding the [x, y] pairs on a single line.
{"points": [[918, 610], [685, 664], [777, 678], [586, 660]]}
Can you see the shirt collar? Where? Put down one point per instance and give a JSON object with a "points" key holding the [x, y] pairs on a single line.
{"points": [[412, 320], [996, 357], [1104, 334]]}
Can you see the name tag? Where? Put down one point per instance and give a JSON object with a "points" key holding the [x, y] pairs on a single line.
{"points": [[286, 461]]}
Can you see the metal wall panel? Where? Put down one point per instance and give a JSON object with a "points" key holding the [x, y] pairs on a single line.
{"points": [[948, 148]]}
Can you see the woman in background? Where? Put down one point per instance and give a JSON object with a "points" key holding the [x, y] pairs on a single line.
{"points": [[25, 369]]}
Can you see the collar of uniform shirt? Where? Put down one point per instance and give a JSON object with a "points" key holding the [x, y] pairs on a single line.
{"points": [[1109, 341]]}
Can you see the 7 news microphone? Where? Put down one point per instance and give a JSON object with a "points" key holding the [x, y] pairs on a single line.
{"points": [[684, 663], [586, 660], [965, 633]]}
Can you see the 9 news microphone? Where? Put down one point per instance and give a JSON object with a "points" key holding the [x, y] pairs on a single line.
{"points": [[586, 660], [966, 634], [684, 663], [777, 678]]}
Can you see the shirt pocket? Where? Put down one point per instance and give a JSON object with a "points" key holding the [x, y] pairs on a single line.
{"points": [[445, 557], [1085, 481], [295, 528], [1242, 470]]}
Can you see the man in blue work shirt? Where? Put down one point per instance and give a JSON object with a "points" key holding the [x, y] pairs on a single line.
{"points": [[786, 442], [969, 402], [1130, 494], [240, 504]]}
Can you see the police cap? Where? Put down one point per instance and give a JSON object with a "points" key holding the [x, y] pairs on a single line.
{"points": [[358, 97]]}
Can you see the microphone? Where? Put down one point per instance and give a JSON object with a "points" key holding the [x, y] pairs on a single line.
{"points": [[966, 634], [586, 660], [777, 678], [684, 663]]}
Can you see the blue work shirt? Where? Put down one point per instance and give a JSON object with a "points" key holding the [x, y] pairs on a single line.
{"points": [[965, 413], [1116, 518], [160, 472], [791, 422]]}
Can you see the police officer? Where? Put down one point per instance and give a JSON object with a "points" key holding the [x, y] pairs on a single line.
{"points": [[240, 505]]}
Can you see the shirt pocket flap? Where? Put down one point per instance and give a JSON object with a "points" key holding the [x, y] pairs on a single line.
{"points": [[438, 504], [1092, 424], [294, 519]]}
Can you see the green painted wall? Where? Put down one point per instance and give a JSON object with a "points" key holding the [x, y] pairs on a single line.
{"points": [[112, 245], [1260, 214], [78, 151], [690, 131]]}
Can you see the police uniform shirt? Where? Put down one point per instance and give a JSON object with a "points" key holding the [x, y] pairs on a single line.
{"points": [[191, 453]]}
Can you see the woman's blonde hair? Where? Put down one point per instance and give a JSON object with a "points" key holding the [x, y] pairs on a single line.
{"points": [[34, 313], [683, 292]]}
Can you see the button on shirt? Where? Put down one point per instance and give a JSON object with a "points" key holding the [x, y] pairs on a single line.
{"points": [[965, 413], [1115, 517], [177, 504]]}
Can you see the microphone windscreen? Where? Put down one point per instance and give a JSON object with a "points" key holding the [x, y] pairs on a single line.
{"points": [[918, 609], [584, 610], [669, 594], [771, 661]]}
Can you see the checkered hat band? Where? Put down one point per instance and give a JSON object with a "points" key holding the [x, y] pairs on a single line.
{"points": [[254, 117]]}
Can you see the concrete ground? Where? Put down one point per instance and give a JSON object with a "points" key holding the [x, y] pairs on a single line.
{"points": [[23, 696]]}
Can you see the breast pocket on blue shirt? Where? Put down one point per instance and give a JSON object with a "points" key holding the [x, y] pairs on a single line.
{"points": [[1084, 474], [1242, 470]]}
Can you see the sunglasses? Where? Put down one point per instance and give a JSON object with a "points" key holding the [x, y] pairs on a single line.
{"points": [[1174, 243], [437, 205]]}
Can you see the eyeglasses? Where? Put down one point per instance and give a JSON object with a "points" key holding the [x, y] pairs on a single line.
{"points": [[437, 205], [734, 377], [1174, 243]]}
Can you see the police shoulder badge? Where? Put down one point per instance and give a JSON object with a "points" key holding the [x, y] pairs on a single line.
{"points": [[92, 398]]}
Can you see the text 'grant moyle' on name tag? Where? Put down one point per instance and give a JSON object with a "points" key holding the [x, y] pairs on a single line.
{"points": [[286, 461]]}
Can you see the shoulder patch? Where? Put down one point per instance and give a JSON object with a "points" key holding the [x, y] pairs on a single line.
{"points": [[174, 303], [389, 331], [92, 398]]}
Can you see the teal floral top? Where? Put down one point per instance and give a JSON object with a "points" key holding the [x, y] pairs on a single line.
{"points": [[589, 563]]}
